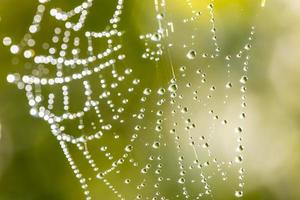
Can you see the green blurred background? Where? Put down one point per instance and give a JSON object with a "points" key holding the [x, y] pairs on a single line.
{"points": [[28, 150]]}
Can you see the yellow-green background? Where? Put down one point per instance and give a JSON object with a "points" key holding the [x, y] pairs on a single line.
{"points": [[28, 150]]}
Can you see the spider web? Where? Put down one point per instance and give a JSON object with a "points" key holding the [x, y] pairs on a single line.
{"points": [[103, 116]]}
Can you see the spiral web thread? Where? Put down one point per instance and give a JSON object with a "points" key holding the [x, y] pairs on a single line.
{"points": [[165, 122]]}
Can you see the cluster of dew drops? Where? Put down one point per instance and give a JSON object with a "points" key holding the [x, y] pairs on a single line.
{"points": [[26, 47], [158, 50]]}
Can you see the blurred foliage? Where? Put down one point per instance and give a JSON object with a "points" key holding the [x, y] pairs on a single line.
{"points": [[32, 165]]}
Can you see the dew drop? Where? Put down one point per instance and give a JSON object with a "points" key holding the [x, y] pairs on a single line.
{"points": [[238, 130], [244, 79], [243, 116], [161, 91], [156, 37], [184, 110], [248, 47], [11, 78], [240, 148], [239, 159], [127, 181], [181, 180], [100, 176], [156, 145], [191, 54], [147, 91], [7, 41], [14, 49], [229, 85], [160, 16], [238, 194], [173, 87], [182, 68], [128, 148]]}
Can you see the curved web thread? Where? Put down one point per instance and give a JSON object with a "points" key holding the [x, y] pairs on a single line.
{"points": [[174, 88], [163, 114]]}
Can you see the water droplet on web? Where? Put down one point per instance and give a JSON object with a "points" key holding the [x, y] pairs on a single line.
{"points": [[160, 16], [156, 37], [182, 68], [100, 176], [128, 148], [161, 91], [244, 79], [7, 41], [191, 54], [173, 87], [184, 110], [248, 47], [14, 49], [238, 130], [238, 159], [127, 181], [156, 145], [228, 57], [159, 113], [238, 194], [147, 91], [229, 85], [158, 128], [243, 116], [11, 78], [181, 180], [240, 148]]}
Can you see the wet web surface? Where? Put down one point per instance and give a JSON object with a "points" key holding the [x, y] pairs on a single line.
{"points": [[183, 134]]}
